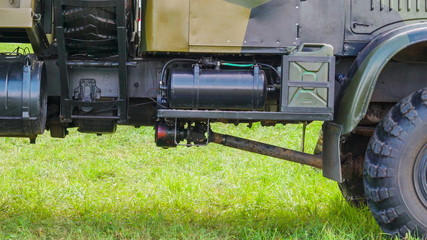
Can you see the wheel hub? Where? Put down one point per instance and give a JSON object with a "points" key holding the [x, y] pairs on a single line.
{"points": [[420, 175]]}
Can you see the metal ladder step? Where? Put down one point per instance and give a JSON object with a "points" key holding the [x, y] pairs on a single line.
{"points": [[67, 104]]}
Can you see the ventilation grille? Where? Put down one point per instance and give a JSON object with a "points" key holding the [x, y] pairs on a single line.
{"points": [[399, 5]]}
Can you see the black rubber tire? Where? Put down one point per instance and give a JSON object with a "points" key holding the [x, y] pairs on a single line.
{"points": [[390, 169], [352, 187], [93, 30]]}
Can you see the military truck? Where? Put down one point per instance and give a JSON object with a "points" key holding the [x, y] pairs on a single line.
{"points": [[180, 65]]}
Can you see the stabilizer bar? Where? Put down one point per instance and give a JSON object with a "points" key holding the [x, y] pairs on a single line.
{"points": [[266, 149]]}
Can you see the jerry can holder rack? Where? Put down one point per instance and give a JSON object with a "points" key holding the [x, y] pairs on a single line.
{"points": [[288, 83]]}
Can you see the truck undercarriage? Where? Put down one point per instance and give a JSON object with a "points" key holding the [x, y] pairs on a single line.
{"points": [[181, 65]]}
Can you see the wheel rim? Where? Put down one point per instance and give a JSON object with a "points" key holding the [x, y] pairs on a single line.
{"points": [[420, 175]]}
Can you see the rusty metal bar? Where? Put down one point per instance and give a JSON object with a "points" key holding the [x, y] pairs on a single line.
{"points": [[266, 149]]}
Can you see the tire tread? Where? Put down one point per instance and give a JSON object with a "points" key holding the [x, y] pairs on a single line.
{"points": [[381, 158]]}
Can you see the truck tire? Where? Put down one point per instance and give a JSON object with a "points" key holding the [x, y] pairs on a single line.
{"points": [[93, 30], [395, 170], [352, 187]]}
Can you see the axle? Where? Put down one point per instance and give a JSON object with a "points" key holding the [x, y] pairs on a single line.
{"points": [[199, 133], [266, 149]]}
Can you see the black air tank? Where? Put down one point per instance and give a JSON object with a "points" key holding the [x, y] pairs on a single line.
{"points": [[217, 89]]}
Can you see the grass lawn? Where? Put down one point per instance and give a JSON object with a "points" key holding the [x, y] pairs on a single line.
{"points": [[123, 187]]}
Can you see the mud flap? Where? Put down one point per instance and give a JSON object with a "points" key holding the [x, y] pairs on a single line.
{"points": [[331, 151]]}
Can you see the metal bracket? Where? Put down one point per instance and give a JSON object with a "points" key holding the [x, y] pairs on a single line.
{"points": [[304, 128], [191, 145], [87, 91], [26, 89], [26, 85]]}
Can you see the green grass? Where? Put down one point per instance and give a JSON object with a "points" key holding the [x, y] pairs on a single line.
{"points": [[7, 47], [123, 187], [10, 47]]}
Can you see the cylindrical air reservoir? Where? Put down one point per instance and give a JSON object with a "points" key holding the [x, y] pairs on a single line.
{"points": [[23, 97], [217, 89]]}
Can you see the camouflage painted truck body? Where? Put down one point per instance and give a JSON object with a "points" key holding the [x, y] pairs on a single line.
{"points": [[181, 64]]}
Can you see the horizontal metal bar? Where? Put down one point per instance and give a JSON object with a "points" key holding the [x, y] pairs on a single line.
{"points": [[94, 117], [266, 149], [91, 41], [18, 118], [98, 64], [89, 3], [311, 110], [240, 115], [309, 84], [311, 59], [93, 104]]}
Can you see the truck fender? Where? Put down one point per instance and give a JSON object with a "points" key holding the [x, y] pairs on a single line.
{"points": [[364, 73]]}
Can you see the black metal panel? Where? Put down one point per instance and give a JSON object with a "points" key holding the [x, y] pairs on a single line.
{"points": [[143, 77], [273, 25], [107, 79], [323, 22], [398, 80]]}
